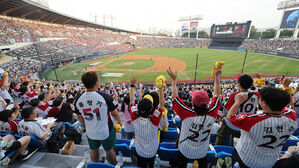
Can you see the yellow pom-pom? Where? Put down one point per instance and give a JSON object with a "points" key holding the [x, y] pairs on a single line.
{"points": [[218, 65], [117, 127], [160, 81]]}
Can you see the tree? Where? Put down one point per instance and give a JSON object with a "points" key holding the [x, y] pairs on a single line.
{"points": [[269, 33], [286, 33], [254, 34]]}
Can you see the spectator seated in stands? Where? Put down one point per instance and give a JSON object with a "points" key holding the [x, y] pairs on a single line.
{"points": [[55, 110], [30, 126], [8, 124]]}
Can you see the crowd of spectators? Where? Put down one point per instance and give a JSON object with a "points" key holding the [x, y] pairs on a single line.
{"points": [[290, 46], [45, 99]]}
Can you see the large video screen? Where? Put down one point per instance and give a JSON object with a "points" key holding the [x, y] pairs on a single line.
{"points": [[290, 19], [230, 30]]}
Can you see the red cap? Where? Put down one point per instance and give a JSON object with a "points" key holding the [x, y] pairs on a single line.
{"points": [[199, 97]]}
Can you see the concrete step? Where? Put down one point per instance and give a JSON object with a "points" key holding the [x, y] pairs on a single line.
{"points": [[42, 159]]}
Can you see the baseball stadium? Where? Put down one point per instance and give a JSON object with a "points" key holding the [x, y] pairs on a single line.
{"points": [[135, 88]]}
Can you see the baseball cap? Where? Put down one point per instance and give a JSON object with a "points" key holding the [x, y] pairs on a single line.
{"points": [[149, 97], [199, 97]]}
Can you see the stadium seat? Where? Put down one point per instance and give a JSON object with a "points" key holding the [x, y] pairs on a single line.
{"points": [[289, 142], [170, 116], [34, 143], [171, 123], [168, 151], [223, 151], [124, 148], [68, 125], [123, 145], [99, 165], [123, 141], [178, 124], [296, 133], [170, 136]]}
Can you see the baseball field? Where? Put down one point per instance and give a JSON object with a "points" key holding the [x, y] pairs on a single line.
{"points": [[147, 64]]}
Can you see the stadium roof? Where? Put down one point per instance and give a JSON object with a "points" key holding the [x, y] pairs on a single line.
{"points": [[30, 10]]}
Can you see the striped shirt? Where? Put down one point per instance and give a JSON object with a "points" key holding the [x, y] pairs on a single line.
{"points": [[146, 132], [263, 136], [196, 129], [95, 108]]}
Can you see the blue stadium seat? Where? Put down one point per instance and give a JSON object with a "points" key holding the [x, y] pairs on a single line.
{"points": [[171, 123], [289, 142], [168, 151], [169, 116], [68, 125], [178, 124], [223, 151], [296, 133], [99, 165], [170, 145], [124, 148], [170, 136], [123, 141], [123, 145]]}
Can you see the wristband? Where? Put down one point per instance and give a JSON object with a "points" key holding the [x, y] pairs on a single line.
{"points": [[132, 85], [288, 153]]}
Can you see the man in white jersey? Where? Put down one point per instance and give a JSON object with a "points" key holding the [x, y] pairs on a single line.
{"points": [[94, 109], [248, 106], [197, 122], [262, 135], [146, 123]]}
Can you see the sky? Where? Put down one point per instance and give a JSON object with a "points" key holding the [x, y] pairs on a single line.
{"points": [[163, 14]]}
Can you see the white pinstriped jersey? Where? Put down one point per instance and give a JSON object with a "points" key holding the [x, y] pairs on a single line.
{"points": [[146, 132], [263, 136], [195, 135]]}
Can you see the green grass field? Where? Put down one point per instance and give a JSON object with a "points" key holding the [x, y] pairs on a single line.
{"points": [[138, 64], [265, 64]]}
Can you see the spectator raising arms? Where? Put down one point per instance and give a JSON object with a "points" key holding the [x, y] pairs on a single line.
{"points": [[262, 135], [197, 121], [146, 122]]}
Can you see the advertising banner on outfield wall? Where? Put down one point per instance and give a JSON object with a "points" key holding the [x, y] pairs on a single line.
{"points": [[290, 19], [193, 26]]}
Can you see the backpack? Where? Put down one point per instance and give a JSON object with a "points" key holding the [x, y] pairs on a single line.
{"points": [[55, 143], [73, 135]]}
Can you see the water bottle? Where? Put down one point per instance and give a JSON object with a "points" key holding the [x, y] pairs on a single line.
{"points": [[195, 164], [86, 156], [157, 161], [236, 165], [76, 126], [120, 159]]}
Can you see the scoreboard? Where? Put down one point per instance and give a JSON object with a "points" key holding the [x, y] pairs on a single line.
{"points": [[230, 30]]}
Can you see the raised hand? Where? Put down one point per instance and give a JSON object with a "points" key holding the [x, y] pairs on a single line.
{"points": [[133, 80], [172, 75], [241, 97], [218, 72]]}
